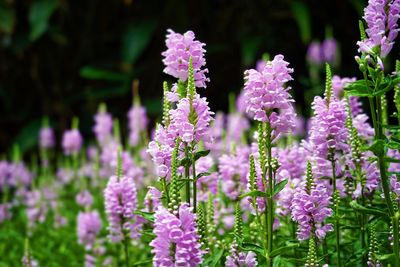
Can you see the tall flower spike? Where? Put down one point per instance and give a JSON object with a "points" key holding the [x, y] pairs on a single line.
{"points": [[373, 248], [252, 174], [328, 84], [310, 183], [27, 260], [166, 106], [397, 92], [210, 221], [261, 144], [201, 225], [175, 195], [312, 258], [238, 228]]}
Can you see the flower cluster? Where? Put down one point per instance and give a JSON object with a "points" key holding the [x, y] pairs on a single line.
{"points": [[319, 53], [120, 202], [310, 210], [177, 242], [137, 122], [72, 142], [46, 137], [267, 98], [381, 17], [88, 227], [180, 47]]}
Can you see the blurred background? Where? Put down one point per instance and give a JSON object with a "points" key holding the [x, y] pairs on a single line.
{"points": [[62, 58]]}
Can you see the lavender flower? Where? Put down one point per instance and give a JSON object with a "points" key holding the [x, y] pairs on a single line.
{"points": [[72, 142], [176, 58], [241, 259], [5, 213], [88, 227], [137, 123], [191, 127], [177, 242], [103, 126], [319, 53], [120, 202], [84, 199], [310, 210], [265, 93], [314, 53], [381, 17], [46, 138]]}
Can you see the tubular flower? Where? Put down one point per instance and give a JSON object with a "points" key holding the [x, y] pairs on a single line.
{"points": [[103, 127], [328, 132], [46, 137], [160, 150], [120, 202], [177, 242], [88, 226], [310, 210], [241, 259], [338, 85], [191, 126], [137, 123], [266, 97], [381, 17], [176, 58], [72, 142]]}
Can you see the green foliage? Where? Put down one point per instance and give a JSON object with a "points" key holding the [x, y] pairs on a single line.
{"points": [[39, 17]]}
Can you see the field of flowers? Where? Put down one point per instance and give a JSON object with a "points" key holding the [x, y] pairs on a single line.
{"points": [[258, 186]]}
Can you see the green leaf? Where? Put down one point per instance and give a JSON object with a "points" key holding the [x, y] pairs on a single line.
{"points": [[200, 154], [302, 16], [214, 259], [147, 215], [377, 148], [279, 186], [135, 39], [93, 73], [202, 175], [366, 210], [255, 193], [140, 263], [39, 15], [385, 257], [356, 256], [289, 245], [184, 162], [387, 159], [383, 88], [7, 21], [246, 246], [359, 88], [27, 138]]}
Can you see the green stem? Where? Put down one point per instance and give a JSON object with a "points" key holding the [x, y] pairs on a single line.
{"points": [[270, 204], [165, 189], [194, 183], [396, 246], [187, 174], [363, 230], [126, 244], [336, 222]]}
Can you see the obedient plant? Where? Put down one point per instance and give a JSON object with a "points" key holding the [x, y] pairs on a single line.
{"points": [[256, 185]]}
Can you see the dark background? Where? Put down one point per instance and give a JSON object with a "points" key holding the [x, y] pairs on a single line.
{"points": [[62, 58]]}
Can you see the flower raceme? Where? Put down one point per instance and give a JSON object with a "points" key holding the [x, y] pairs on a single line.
{"points": [[180, 47], [177, 242], [381, 17], [267, 98]]}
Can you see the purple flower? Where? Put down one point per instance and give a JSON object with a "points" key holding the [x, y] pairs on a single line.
{"points": [[84, 199], [381, 17], [46, 138], [120, 202], [329, 48], [88, 227], [233, 171], [176, 58], [328, 133], [137, 123], [188, 127], [314, 53], [103, 127], [310, 210], [236, 126], [267, 98], [72, 142], [152, 199], [241, 259], [177, 242], [161, 151], [395, 186], [5, 213], [209, 183]]}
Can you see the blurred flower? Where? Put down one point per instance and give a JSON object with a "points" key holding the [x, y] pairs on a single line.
{"points": [[137, 123], [46, 138], [88, 227], [72, 142]]}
